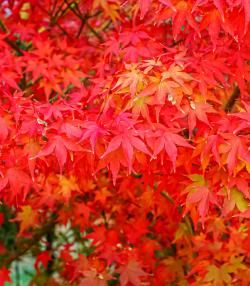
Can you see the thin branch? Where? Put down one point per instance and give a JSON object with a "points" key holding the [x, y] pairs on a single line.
{"points": [[95, 15], [80, 29], [12, 44], [23, 246], [54, 22], [63, 30], [232, 99], [3, 27], [175, 43], [56, 16], [94, 32], [77, 13], [53, 9], [84, 19], [107, 25]]}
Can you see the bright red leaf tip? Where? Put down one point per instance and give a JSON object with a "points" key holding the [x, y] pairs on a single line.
{"points": [[204, 198], [129, 141], [18, 181], [144, 6], [42, 258], [60, 146], [92, 131], [168, 141], [4, 276]]}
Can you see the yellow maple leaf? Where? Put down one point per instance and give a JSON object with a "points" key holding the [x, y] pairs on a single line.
{"points": [[219, 276], [24, 12], [67, 186], [27, 218], [111, 9]]}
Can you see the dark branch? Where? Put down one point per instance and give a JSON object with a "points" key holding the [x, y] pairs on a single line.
{"points": [[11, 43], [23, 246], [232, 99]]}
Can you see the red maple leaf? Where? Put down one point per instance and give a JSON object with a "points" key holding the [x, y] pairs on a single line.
{"points": [[60, 146], [43, 257], [203, 197], [128, 141], [19, 182], [166, 139], [235, 149], [92, 131], [93, 278], [131, 273]]}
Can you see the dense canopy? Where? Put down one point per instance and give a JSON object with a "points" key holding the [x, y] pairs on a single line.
{"points": [[124, 141]]}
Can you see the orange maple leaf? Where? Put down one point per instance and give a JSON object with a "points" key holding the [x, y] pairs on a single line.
{"points": [[27, 218]]}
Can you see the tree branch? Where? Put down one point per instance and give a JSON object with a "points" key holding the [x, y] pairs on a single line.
{"points": [[84, 19], [232, 99], [22, 246], [12, 44]]}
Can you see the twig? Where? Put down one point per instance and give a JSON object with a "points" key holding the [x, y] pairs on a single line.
{"points": [[3, 27], [53, 22], [84, 19], [21, 246], [54, 7], [80, 29], [94, 32], [232, 99], [56, 16], [12, 44], [107, 25], [77, 13]]}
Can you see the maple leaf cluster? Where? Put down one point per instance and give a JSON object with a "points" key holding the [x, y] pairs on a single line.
{"points": [[125, 141]]}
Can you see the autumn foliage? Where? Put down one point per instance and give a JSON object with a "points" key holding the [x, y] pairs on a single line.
{"points": [[125, 141]]}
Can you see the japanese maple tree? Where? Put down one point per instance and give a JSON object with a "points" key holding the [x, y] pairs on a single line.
{"points": [[125, 141]]}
